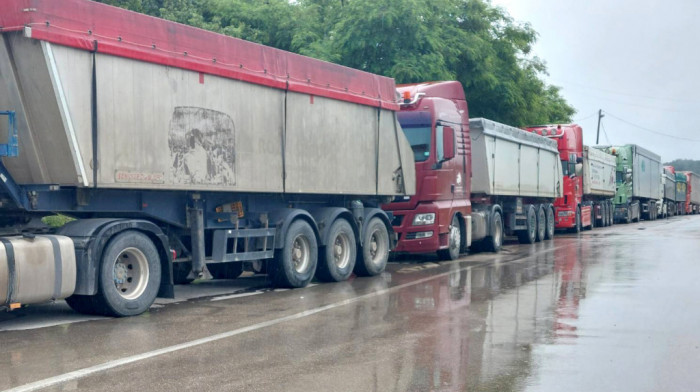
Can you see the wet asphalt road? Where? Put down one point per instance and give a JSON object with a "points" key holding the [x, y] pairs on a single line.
{"points": [[615, 309]]}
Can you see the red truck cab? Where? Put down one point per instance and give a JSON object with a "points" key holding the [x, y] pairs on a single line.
{"points": [[570, 207], [435, 119]]}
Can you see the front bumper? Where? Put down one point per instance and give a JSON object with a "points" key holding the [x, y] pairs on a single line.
{"points": [[414, 239], [564, 221]]}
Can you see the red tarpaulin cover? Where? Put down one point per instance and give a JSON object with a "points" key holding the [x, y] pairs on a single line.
{"points": [[92, 26]]}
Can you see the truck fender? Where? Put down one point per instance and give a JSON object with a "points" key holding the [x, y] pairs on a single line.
{"points": [[325, 217], [370, 213], [492, 210], [282, 218], [90, 237]]}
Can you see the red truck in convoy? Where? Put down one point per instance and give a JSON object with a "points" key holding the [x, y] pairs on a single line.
{"points": [[476, 180], [588, 179], [692, 199]]}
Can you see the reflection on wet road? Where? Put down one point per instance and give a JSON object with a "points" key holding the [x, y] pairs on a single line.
{"points": [[612, 309]]}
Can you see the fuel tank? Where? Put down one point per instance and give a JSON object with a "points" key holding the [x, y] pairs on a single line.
{"points": [[35, 270]]}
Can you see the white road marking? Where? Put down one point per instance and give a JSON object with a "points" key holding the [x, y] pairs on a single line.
{"points": [[85, 372], [223, 297]]}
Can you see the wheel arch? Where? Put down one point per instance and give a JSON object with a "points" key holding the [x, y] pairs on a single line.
{"points": [[91, 237], [283, 218], [324, 218]]}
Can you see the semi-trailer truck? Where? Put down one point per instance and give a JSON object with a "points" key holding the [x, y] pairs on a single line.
{"points": [[476, 180], [681, 193], [668, 189], [588, 179], [692, 198], [638, 175], [182, 154]]}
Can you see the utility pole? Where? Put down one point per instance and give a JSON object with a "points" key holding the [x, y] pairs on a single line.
{"points": [[597, 134]]}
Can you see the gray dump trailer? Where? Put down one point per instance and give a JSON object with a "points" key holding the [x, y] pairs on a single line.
{"points": [[668, 186], [515, 174], [182, 155]]}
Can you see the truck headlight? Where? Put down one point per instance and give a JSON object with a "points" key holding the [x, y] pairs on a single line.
{"points": [[424, 219]]}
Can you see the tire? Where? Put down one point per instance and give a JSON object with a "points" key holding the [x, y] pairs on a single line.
{"points": [[541, 224], [231, 270], [529, 235], [549, 232], [454, 244], [129, 278], [494, 242], [611, 214], [337, 259], [577, 226], [593, 218], [375, 249], [180, 273], [295, 263]]}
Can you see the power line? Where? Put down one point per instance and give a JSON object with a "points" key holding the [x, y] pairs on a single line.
{"points": [[625, 94], [652, 130], [598, 96], [586, 118]]}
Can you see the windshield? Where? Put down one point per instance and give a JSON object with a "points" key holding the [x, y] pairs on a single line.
{"points": [[420, 140]]}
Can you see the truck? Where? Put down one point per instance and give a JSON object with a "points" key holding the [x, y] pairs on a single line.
{"points": [[181, 154], [638, 175], [692, 199], [681, 193], [588, 179], [476, 180], [668, 189]]}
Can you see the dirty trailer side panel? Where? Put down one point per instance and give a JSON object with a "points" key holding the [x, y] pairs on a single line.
{"points": [[168, 128]]}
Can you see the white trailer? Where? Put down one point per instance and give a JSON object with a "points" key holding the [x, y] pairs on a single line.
{"points": [[693, 199], [516, 176], [598, 184]]}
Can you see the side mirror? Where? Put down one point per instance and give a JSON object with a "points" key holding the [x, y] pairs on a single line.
{"points": [[448, 143], [579, 169]]}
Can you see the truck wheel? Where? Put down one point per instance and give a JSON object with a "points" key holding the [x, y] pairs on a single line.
{"points": [[230, 270], [295, 263], [337, 259], [541, 224], [549, 232], [454, 244], [129, 278], [593, 218], [577, 225], [375, 249], [494, 242], [529, 235]]}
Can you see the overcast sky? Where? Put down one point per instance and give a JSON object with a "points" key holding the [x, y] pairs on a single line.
{"points": [[638, 60]]}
